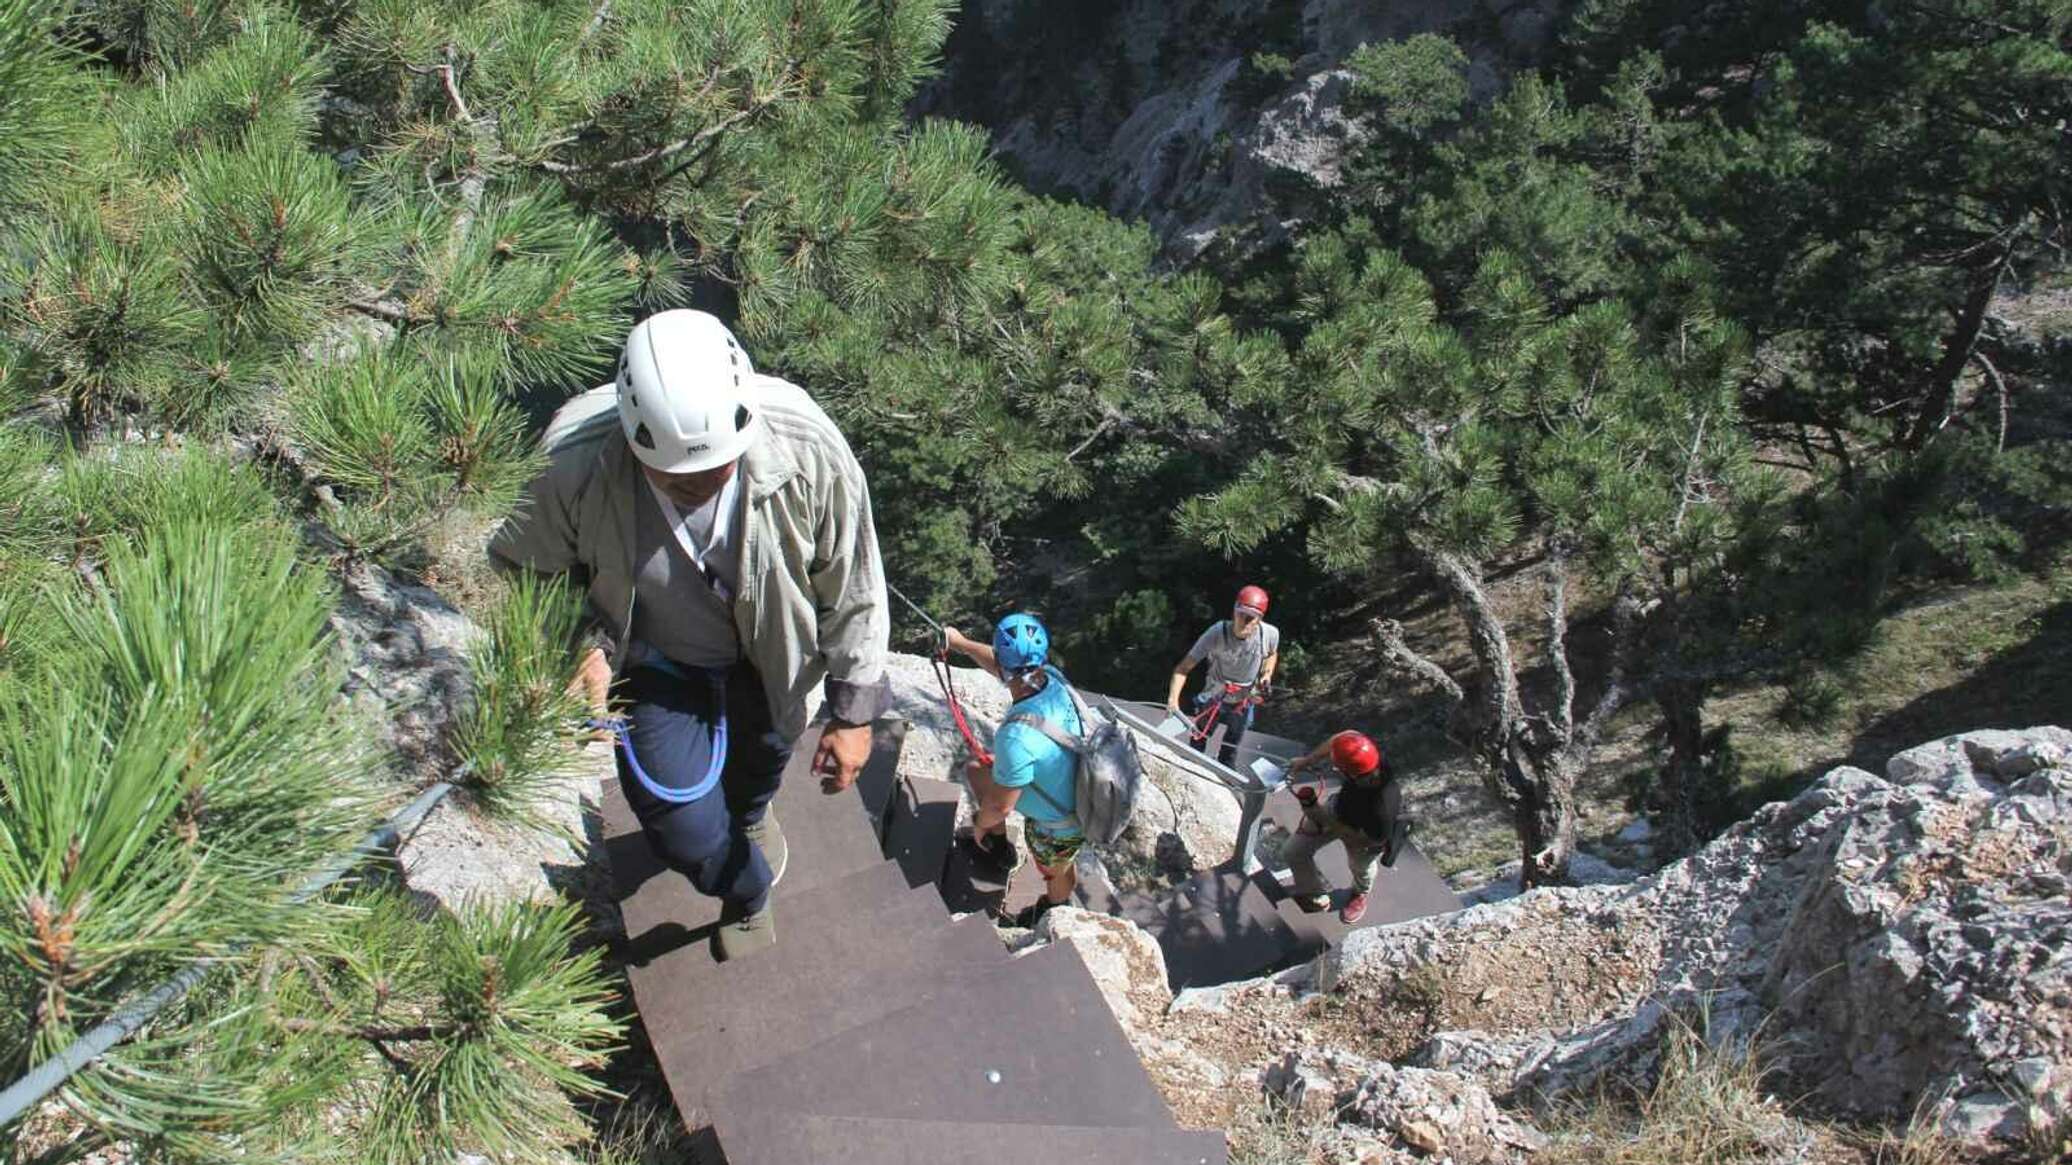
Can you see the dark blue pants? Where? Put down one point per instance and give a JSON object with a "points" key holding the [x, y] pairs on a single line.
{"points": [[1235, 719], [671, 723]]}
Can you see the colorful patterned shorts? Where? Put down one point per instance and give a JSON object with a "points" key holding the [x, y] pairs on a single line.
{"points": [[1052, 852]]}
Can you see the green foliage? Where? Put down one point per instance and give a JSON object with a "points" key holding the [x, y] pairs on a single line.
{"points": [[255, 90], [404, 440], [173, 770], [1810, 702], [512, 1020], [514, 736], [99, 317], [43, 95], [268, 240], [526, 285]]}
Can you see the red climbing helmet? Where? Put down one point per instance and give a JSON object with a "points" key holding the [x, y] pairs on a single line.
{"points": [[1252, 599], [1353, 754]]}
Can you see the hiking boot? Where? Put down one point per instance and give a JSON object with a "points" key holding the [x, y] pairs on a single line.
{"points": [[1028, 916], [747, 934], [1354, 910], [768, 837], [1313, 903]]}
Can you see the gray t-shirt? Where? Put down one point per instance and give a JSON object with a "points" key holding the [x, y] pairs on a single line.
{"points": [[687, 571], [1233, 660]]}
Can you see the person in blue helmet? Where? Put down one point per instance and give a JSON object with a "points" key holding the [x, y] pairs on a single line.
{"points": [[1030, 771]]}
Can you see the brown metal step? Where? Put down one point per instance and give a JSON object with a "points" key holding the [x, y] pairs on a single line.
{"points": [[919, 825], [1027, 1044], [846, 954], [779, 1138], [1216, 927]]}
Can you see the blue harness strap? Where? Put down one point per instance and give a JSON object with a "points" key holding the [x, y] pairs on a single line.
{"points": [[717, 677]]}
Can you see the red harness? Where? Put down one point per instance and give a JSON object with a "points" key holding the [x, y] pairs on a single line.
{"points": [[949, 695]]}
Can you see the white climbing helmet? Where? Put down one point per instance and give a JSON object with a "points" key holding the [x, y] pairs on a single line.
{"points": [[686, 399]]}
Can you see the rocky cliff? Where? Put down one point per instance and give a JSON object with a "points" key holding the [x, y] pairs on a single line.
{"points": [[1896, 945], [1197, 116]]}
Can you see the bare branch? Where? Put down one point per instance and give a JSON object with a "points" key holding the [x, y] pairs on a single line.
{"points": [[1557, 644], [671, 149], [1399, 652], [1999, 383], [1690, 478], [460, 107], [380, 311], [1099, 431]]}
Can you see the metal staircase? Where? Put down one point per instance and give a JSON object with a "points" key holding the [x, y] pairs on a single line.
{"points": [[878, 1029]]}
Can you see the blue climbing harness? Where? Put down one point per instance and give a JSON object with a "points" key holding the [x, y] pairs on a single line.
{"points": [[717, 677]]}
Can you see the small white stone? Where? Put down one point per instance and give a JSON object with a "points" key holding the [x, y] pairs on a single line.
{"points": [[992, 1076]]}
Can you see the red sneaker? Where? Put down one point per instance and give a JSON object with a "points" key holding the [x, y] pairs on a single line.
{"points": [[1354, 910]]}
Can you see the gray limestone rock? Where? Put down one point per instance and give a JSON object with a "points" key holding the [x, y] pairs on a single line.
{"points": [[1892, 940]]}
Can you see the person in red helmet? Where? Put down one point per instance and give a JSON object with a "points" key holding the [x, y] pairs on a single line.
{"points": [[1243, 652], [1366, 814]]}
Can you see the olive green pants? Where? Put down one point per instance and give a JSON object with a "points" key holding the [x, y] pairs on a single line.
{"points": [[1319, 829]]}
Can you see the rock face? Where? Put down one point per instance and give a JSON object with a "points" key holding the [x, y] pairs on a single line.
{"points": [[407, 662], [1160, 109], [1898, 941]]}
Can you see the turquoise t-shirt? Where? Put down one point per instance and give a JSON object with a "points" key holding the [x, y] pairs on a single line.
{"points": [[1024, 757]]}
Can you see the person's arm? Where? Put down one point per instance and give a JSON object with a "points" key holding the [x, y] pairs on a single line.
{"points": [[1180, 671], [1315, 757], [994, 801], [1267, 669], [1391, 813], [979, 653], [539, 538], [855, 627]]}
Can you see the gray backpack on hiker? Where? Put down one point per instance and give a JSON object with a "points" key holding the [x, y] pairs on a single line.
{"points": [[1107, 771]]}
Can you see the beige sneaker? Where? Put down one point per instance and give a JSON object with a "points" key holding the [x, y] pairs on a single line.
{"points": [[768, 837], [747, 935]]}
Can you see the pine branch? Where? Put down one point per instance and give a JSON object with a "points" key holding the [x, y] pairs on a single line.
{"points": [[380, 311], [373, 1033], [1398, 651], [670, 150]]}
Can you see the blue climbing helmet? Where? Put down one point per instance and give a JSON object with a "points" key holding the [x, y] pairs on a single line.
{"points": [[1020, 643]]}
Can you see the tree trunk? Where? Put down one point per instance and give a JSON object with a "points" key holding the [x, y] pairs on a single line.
{"points": [[1546, 824], [1942, 380], [1534, 777], [1682, 708]]}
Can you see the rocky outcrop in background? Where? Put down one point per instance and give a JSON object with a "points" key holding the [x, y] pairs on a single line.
{"points": [[1161, 110], [1896, 944]]}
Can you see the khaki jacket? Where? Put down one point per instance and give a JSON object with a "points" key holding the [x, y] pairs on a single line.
{"points": [[812, 601]]}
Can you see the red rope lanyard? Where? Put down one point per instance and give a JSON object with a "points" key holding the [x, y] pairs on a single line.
{"points": [[949, 694]]}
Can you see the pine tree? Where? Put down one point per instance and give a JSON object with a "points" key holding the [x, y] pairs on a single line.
{"points": [[371, 235], [1607, 443]]}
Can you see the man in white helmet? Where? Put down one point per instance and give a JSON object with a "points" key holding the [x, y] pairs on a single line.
{"points": [[723, 528]]}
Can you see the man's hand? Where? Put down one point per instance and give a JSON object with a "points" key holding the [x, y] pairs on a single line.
{"points": [[592, 683], [840, 756]]}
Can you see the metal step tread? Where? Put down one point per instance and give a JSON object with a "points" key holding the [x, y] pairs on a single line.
{"points": [[768, 1137], [1028, 1044]]}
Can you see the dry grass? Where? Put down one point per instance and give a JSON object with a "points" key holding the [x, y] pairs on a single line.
{"points": [[1268, 1135], [1708, 1107]]}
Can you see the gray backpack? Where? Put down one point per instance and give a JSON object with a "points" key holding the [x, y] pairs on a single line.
{"points": [[1106, 772]]}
